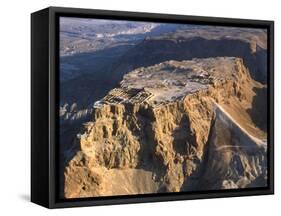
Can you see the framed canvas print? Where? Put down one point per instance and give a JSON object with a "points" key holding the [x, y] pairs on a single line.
{"points": [[138, 107]]}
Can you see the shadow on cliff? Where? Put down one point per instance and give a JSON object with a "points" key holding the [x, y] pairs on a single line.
{"points": [[183, 137], [258, 112], [147, 159], [197, 181]]}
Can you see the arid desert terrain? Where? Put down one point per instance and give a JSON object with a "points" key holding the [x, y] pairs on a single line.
{"points": [[157, 108]]}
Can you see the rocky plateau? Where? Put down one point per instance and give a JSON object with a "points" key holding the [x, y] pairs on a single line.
{"points": [[178, 125]]}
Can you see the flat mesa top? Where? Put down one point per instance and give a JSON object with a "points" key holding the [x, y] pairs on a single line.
{"points": [[171, 80]]}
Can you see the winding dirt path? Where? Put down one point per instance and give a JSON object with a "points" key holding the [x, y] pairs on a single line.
{"points": [[221, 111]]}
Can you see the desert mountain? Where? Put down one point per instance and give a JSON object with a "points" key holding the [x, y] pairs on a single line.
{"points": [[178, 125]]}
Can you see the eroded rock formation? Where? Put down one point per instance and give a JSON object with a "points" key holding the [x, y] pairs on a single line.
{"points": [[174, 126]]}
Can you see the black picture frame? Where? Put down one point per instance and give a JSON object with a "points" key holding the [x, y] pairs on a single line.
{"points": [[44, 101]]}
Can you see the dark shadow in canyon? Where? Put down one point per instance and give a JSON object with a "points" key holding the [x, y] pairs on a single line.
{"points": [[93, 85], [196, 181], [258, 112], [184, 141], [154, 51]]}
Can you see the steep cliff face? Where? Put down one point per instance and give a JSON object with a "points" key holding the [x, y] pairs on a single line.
{"points": [[163, 131]]}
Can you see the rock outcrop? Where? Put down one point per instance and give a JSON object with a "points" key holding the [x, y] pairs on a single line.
{"points": [[174, 126]]}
